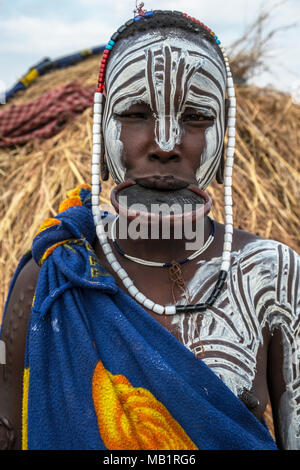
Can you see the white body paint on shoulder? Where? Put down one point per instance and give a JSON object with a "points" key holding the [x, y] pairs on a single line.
{"points": [[263, 290]]}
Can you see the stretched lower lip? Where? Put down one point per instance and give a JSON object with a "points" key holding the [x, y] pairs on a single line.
{"points": [[193, 215], [162, 182]]}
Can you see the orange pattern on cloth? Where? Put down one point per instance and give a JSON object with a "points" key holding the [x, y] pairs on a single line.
{"points": [[50, 222], [73, 199], [132, 418]]}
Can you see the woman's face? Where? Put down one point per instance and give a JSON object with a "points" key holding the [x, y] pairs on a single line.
{"points": [[163, 121]]}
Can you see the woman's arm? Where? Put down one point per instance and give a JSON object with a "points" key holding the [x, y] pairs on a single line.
{"points": [[13, 334]]}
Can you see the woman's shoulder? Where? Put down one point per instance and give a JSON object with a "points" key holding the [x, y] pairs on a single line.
{"points": [[244, 243]]}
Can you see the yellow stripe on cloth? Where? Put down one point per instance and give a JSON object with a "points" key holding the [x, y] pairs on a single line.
{"points": [[25, 409], [29, 77]]}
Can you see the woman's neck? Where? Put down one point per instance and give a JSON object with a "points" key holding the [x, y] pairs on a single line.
{"points": [[164, 249]]}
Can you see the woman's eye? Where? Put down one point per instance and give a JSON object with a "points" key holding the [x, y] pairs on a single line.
{"points": [[194, 117], [132, 115]]}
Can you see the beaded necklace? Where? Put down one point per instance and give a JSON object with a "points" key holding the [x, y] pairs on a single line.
{"points": [[163, 265], [98, 155]]}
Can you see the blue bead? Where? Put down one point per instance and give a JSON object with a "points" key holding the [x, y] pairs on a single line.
{"points": [[112, 43], [137, 18], [148, 13], [109, 47], [218, 42], [216, 37]]}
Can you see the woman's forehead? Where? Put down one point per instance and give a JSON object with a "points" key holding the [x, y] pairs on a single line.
{"points": [[159, 69], [135, 52]]}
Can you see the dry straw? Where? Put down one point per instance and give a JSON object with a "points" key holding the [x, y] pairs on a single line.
{"points": [[34, 178]]}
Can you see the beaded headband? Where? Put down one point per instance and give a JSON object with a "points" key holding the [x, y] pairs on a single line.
{"points": [[98, 155], [141, 16]]}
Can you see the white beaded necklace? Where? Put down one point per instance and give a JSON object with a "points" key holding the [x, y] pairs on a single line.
{"points": [[106, 247], [154, 263]]}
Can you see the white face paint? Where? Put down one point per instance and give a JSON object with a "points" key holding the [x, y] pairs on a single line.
{"points": [[168, 74]]}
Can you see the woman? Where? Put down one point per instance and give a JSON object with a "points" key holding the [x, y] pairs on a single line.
{"points": [[142, 343]]}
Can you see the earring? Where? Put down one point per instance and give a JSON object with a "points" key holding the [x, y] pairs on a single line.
{"points": [[103, 165]]}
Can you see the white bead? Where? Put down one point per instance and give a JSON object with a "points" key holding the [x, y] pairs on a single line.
{"points": [[96, 138], [96, 148], [127, 282], [228, 170], [111, 258], [122, 274], [102, 239], [100, 229], [170, 310], [228, 219], [148, 304], [96, 214], [97, 97], [227, 181], [97, 119], [139, 297], [227, 191], [229, 152], [231, 142], [229, 82], [95, 189], [95, 179], [133, 290], [226, 256], [106, 248], [228, 237], [231, 92], [232, 102], [95, 169], [231, 132], [231, 122], [225, 266], [158, 309], [229, 228], [95, 200], [229, 74], [116, 265], [227, 246], [96, 129], [227, 200], [231, 112], [97, 108], [228, 210], [96, 159]]}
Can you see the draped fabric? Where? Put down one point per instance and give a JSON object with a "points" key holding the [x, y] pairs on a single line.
{"points": [[101, 373]]}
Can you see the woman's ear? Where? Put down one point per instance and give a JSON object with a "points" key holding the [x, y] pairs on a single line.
{"points": [[220, 170]]}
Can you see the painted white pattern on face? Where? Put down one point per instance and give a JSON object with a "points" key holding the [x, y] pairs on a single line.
{"points": [[168, 74]]}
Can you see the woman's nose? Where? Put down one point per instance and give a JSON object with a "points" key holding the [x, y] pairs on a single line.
{"points": [[161, 156]]}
